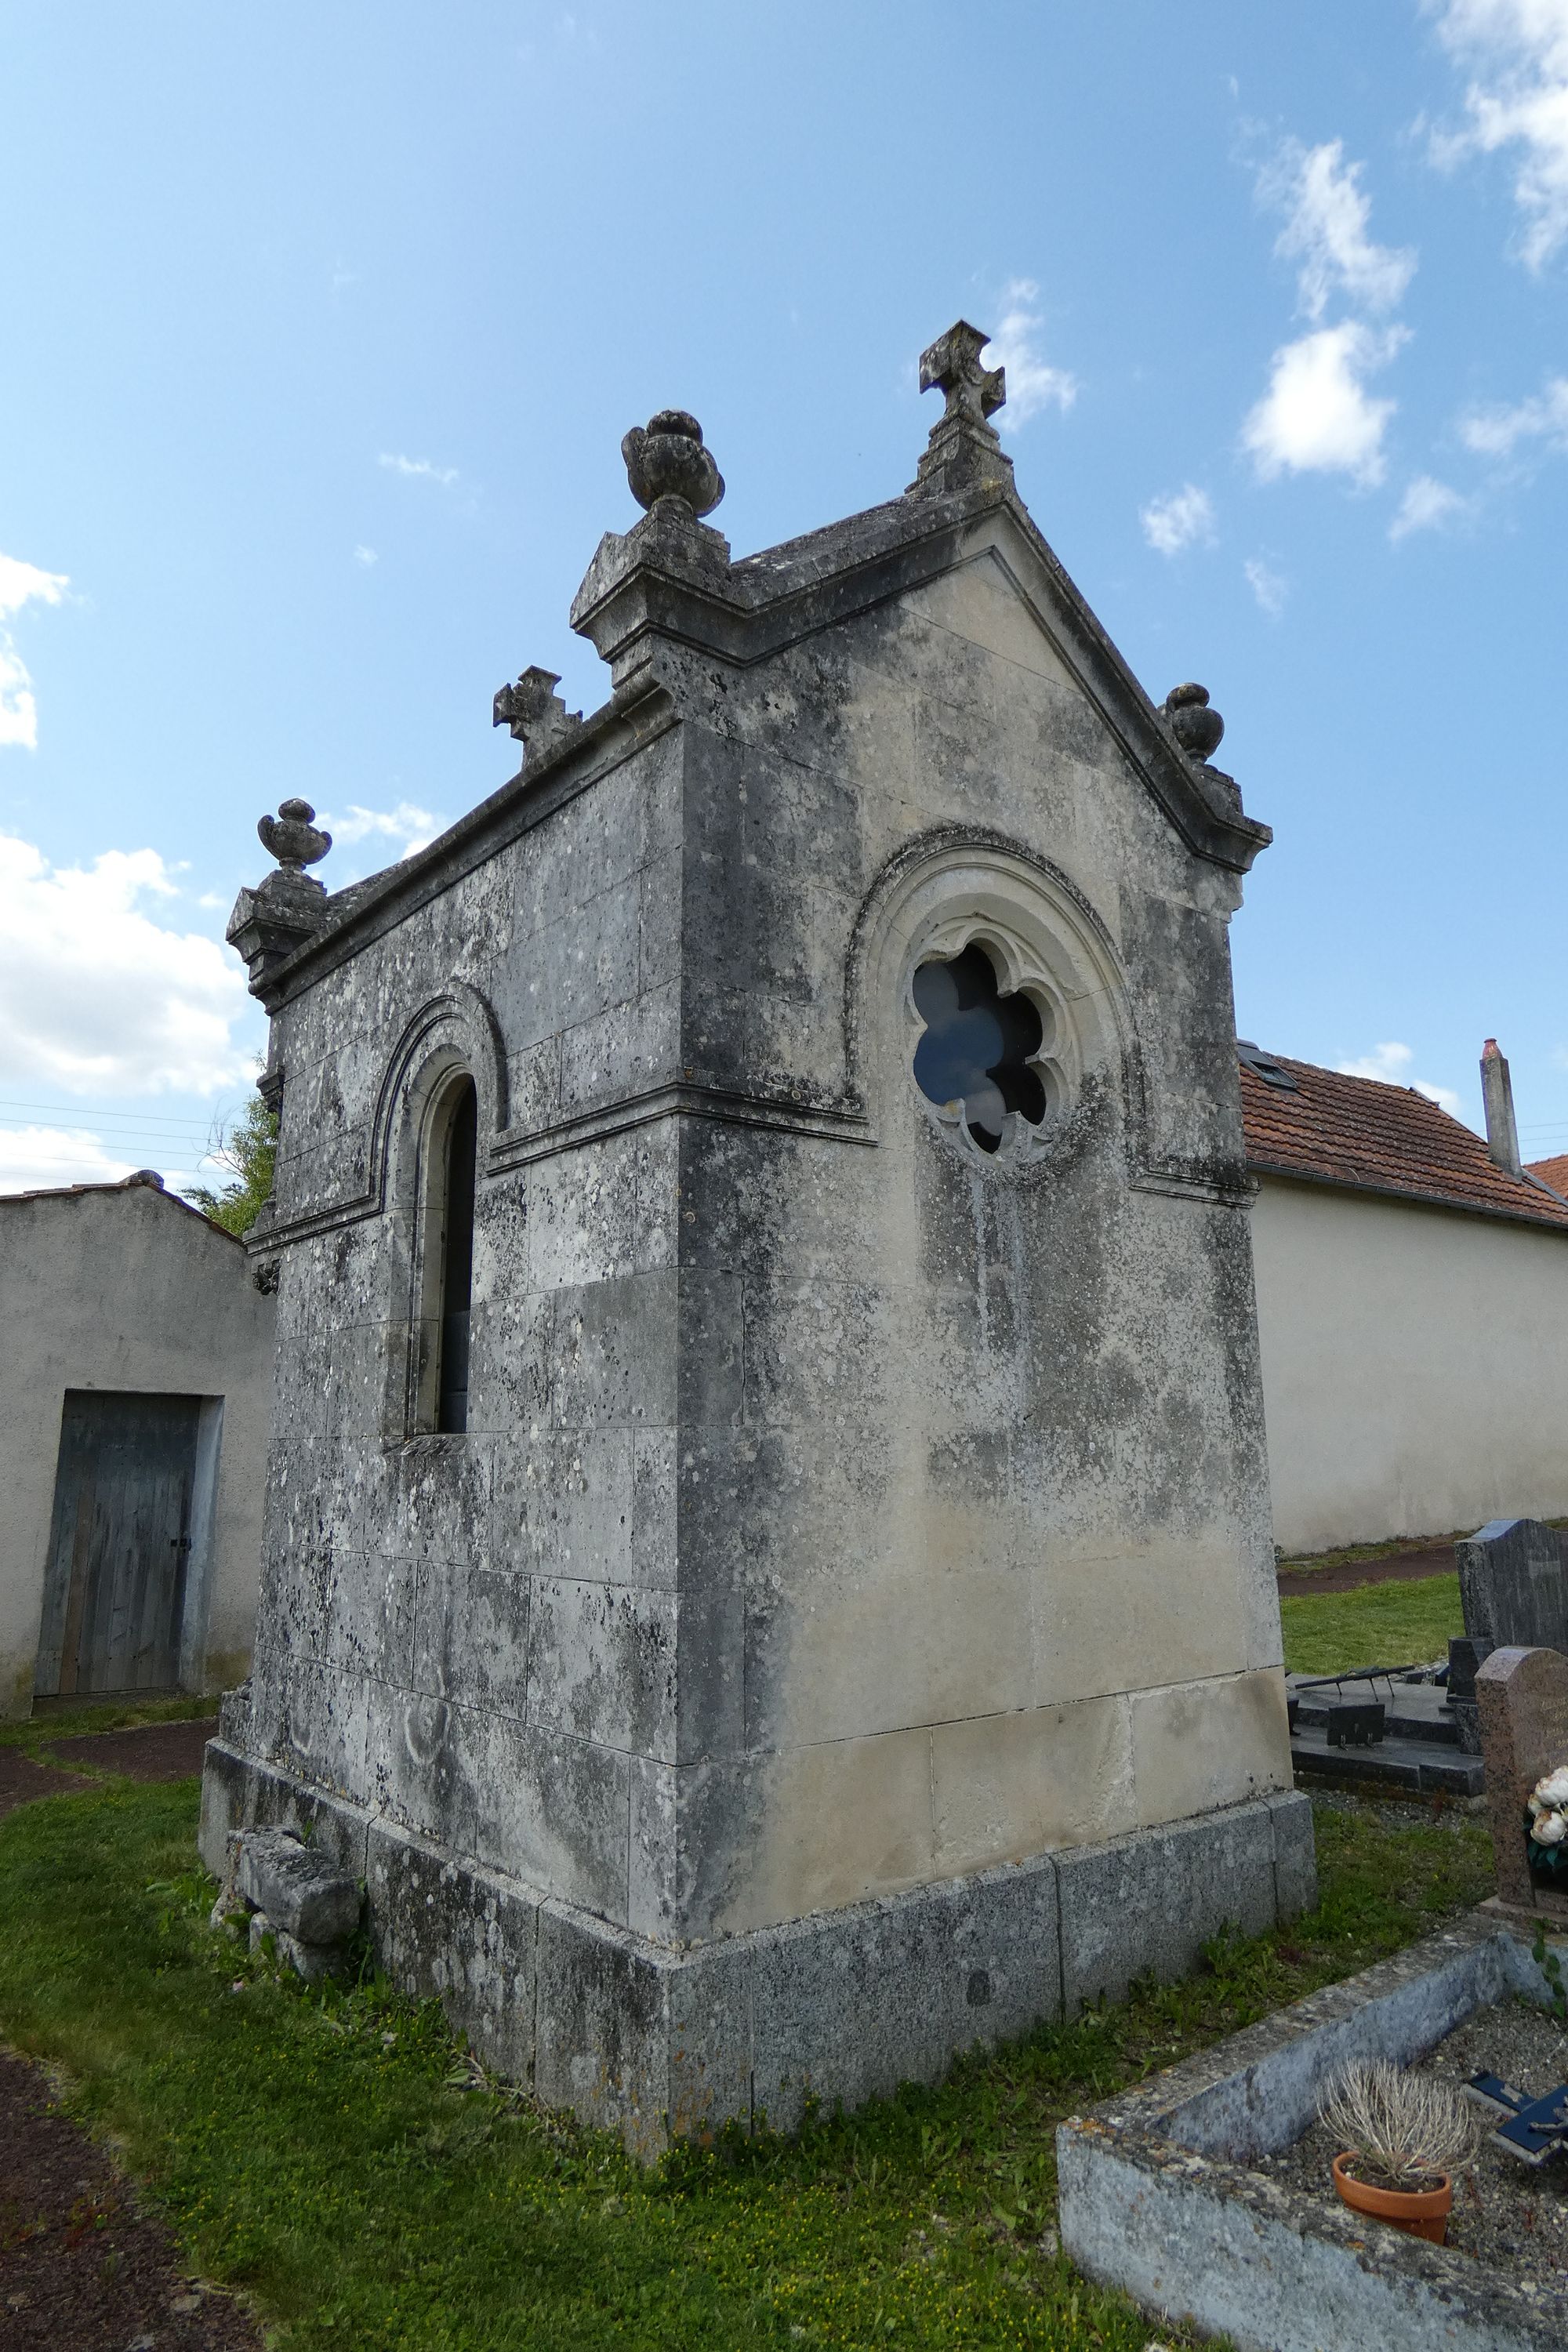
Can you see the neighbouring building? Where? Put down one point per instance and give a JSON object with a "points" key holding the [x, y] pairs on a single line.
{"points": [[768, 1573], [1412, 1309], [135, 1392]]}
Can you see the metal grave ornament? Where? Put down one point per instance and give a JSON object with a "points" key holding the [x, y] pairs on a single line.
{"points": [[1534, 2130]]}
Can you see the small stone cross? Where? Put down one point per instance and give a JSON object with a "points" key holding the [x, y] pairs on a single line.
{"points": [[535, 712], [951, 366]]}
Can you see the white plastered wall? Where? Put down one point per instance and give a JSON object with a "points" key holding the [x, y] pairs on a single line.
{"points": [[1414, 1365], [125, 1289]]}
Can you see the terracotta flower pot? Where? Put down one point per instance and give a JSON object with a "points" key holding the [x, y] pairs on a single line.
{"points": [[1422, 2212]]}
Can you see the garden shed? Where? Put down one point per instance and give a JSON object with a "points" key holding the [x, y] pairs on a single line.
{"points": [[135, 1390]]}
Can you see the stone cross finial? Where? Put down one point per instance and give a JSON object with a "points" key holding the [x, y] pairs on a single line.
{"points": [[951, 366], [963, 452], [293, 838], [535, 713]]}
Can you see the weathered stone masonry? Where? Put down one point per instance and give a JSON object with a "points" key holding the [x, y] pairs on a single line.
{"points": [[846, 1626]]}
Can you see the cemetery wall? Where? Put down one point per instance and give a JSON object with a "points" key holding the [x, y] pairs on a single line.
{"points": [[1415, 1377]]}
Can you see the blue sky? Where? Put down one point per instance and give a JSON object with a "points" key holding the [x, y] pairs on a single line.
{"points": [[323, 327]]}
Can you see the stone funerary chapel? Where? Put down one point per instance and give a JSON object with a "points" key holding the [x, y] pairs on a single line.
{"points": [[768, 1573]]}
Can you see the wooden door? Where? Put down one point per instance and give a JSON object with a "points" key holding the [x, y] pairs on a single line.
{"points": [[115, 1590]]}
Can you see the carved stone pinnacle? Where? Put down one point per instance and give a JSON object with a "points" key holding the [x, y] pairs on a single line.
{"points": [[293, 838], [951, 366], [535, 713], [290, 907], [669, 461], [1197, 727], [963, 452]]}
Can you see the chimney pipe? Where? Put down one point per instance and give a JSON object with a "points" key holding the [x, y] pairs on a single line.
{"points": [[1497, 1094]]}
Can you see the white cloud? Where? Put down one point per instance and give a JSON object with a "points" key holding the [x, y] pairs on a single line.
{"points": [[1327, 230], [367, 556], [1391, 1062], [21, 584], [96, 996], [1179, 520], [1032, 382], [1427, 505], [1517, 98], [1317, 416], [1496, 432], [409, 826], [418, 469], [19, 704], [1268, 586], [40, 1159]]}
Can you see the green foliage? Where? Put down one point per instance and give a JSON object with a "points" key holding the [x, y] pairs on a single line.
{"points": [[1376, 1625], [334, 2152], [1551, 1968], [248, 1147]]}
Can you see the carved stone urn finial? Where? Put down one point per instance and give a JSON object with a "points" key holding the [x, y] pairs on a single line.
{"points": [[293, 838], [963, 452], [535, 713], [1197, 727], [669, 461], [290, 907]]}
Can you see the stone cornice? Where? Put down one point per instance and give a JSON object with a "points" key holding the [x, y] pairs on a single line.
{"points": [[663, 585], [668, 591], [365, 910]]}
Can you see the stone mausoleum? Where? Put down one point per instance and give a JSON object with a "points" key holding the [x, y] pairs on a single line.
{"points": [[768, 1571]]}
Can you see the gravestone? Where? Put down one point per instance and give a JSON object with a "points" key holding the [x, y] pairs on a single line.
{"points": [[834, 1620], [1523, 1698], [1513, 1584]]}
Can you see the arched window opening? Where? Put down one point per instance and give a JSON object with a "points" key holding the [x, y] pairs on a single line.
{"points": [[977, 1052], [456, 1260]]}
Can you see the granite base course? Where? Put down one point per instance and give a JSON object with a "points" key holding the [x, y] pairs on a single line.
{"points": [[843, 2006]]}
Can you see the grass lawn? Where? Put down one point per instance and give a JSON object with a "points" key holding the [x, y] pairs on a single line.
{"points": [[35, 1734], [316, 2148], [1376, 1626]]}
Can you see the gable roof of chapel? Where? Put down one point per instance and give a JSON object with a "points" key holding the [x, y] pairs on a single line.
{"points": [[669, 589]]}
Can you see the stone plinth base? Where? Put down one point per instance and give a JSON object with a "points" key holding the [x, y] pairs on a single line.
{"points": [[845, 2005], [1545, 1905]]}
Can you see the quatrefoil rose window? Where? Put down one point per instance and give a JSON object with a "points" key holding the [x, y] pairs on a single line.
{"points": [[991, 1055]]}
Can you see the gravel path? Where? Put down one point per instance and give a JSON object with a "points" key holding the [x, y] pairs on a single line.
{"points": [[81, 2269], [157, 1751]]}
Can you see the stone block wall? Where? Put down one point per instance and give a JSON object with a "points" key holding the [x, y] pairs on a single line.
{"points": [[843, 1512]]}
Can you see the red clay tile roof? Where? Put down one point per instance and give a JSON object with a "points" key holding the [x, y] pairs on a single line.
{"points": [[1335, 1130], [1552, 1172]]}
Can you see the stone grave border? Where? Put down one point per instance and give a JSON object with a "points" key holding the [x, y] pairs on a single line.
{"points": [[1157, 2196]]}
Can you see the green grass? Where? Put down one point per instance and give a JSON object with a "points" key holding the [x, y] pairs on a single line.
{"points": [[1389, 1548], [310, 2147], [40, 1731], [1376, 1625]]}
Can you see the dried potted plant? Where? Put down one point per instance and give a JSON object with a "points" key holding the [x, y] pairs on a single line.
{"points": [[1402, 2136]]}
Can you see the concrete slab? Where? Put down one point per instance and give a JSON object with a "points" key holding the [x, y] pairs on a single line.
{"points": [[1425, 1767]]}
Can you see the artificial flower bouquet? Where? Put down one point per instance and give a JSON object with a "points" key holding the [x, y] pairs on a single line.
{"points": [[1546, 1825]]}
